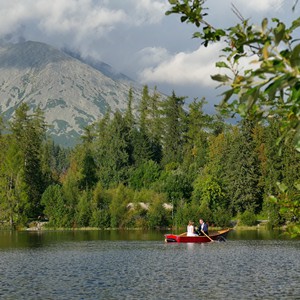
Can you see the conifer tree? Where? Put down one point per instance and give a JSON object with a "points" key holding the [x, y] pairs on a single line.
{"points": [[243, 171], [28, 131], [111, 150], [13, 196], [196, 138], [173, 139], [155, 126], [141, 141]]}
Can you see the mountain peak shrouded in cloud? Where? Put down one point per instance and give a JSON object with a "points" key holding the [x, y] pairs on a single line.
{"points": [[101, 66], [30, 55], [135, 36], [71, 93]]}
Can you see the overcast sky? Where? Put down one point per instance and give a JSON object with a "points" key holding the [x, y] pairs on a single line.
{"points": [[135, 37]]}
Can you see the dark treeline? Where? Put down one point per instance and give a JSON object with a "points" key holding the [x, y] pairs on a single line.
{"points": [[160, 167]]}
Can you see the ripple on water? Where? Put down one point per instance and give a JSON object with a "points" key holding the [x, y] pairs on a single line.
{"points": [[153, 270]]}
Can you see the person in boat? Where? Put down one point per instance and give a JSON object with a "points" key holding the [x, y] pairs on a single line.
{"points": [[191, 229], [203, 227]]}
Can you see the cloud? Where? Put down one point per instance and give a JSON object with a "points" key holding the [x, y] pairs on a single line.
{"points": [[149, 11], [258, 5], [78, 24], [62, 16], [184, 68], [150, 56], [87, 26]]}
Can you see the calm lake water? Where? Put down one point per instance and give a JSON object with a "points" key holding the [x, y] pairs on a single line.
{"points": [[140, 265]]}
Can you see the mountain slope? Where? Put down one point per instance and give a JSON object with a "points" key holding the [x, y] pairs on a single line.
{"points": [[71, 93]]}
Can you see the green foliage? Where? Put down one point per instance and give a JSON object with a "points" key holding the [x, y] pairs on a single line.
{"points": [[158, 216], [222, 217], [269, 88], [165, 168], [54, 206], [259, 94], [71, 193], [248, 218], [208, 189], [100, 207], [121, 196], [26, 127], [174, 127], [144, 175], [83, 210], [175, 184], [111, 155], [272, 211], [243, 165]]}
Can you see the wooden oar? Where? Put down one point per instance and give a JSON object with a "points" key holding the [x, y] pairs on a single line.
{"points": [[207, 236], [183, 234]]}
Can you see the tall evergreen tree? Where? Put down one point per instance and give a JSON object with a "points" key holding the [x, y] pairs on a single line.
{"points": [[196, 138], [173, 140], [111, 150], [155, 126], [243, 171], [144, 110], [13, 196], [29, 133], [86, 162], [141, 141]]}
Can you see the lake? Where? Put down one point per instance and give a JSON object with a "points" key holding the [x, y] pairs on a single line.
{"points": [[255, 264]]}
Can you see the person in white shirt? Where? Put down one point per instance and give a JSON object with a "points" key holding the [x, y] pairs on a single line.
{"points": [[191, 229]]}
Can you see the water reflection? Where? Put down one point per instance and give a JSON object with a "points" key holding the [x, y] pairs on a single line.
{"points": [[258, 234], [36, 239]]}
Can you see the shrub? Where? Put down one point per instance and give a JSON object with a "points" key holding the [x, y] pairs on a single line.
{"points": [[222, 217], [248, 218]]}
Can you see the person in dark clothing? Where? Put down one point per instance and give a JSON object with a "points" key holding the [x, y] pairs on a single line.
{"points": [[203, 227]]}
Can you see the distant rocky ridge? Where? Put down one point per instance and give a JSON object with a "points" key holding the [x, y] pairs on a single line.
{"points": [[71, 92]]}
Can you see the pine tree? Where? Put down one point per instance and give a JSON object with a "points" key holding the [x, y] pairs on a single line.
{"points": [[13, 196], [196, 138], [155, 126], [174, 118], [111, 150], [243, 171], [29, 133]]}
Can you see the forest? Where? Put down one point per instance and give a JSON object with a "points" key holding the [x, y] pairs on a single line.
{"points": [[158, 165]]}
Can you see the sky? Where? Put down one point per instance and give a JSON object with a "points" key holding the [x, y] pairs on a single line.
{"points": [[135, 37]]}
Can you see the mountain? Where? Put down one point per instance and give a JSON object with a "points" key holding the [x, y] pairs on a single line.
{"points": [[101, 66], [71, 92]]}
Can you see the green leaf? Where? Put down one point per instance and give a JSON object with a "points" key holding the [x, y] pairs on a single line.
{"points": [[295, 24], [242, 109], [183, 19], [297, 186], [197, 34], [295, 57], [222, 64], [227, 95], [264, 24], [273, 199], [297, 145], [279, 33], [282, 187], [220, 78]]}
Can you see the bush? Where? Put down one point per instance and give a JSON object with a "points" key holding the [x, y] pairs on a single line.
{"points": [[248, 218], [55, 208], [272, 211], [100, 218], [222, 217]]}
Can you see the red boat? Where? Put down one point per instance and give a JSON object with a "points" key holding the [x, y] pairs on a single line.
{"points": [[219, 235]]}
